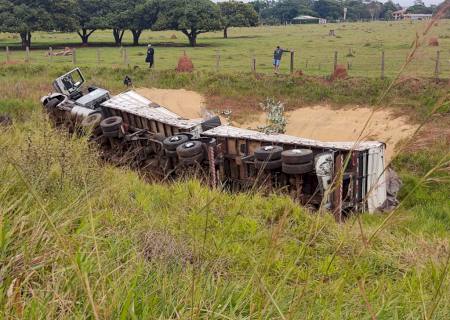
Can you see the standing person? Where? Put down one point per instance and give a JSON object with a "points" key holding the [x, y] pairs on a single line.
{"points": [[277, 54], [150, 56]]}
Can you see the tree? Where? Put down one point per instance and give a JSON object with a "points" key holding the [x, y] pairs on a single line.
{"points": [[374, 8], [237, 14], [117, 19], [191, 17], [142, 16], [328, 9], [284, 11], [90, 15], [388, 8], [27, 16], [419, 8], [356, 10]]}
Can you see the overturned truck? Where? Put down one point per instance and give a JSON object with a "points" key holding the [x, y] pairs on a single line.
{"points": [[342, 177]]}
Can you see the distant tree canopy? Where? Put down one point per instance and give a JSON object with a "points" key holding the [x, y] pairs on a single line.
{"points": [[237, 14], [419, 8], [191, 17], [24, 17], [90, 15]]}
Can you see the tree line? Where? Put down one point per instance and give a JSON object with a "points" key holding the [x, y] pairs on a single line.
{"points": [[283, 11], [191, 17]]}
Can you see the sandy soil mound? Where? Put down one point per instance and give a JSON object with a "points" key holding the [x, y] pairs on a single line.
{"points": [[187, 104], [318, 122], [324, 123]]}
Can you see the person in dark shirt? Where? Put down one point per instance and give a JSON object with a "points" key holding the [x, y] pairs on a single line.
{"points": [[277, 54], [150, 56]]}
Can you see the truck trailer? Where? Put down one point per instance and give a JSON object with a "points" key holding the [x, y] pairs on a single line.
{"points": [[342, 177]]}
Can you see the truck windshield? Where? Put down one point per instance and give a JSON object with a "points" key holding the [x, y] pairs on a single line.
{"points": [[70, 82]]}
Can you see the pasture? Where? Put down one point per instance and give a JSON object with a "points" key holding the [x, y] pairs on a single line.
{"points": [[359, 47]]}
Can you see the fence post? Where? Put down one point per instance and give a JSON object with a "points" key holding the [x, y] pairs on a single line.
{"points": [[335, 60], [98, 56], [217, 60], [436, 67], [382, 64], [292, 61], [50, 54], [7, 54], [27, 54], [74, 56], [253, 63]]}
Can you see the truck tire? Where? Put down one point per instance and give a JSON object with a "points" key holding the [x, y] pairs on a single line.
{"points": [[268, 165], [301, 168], [190, 149], [171, 143], [268, 153], [297, 156], [111, 124], [52, 103], [111, 134], [170, 154], [192, 160], [92, 121]]}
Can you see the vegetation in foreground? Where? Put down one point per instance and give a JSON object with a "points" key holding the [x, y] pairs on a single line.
{"points": [[81, 239]]}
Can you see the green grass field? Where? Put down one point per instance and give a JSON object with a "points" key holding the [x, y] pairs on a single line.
{"points": [[314, 48], [81, 239]]}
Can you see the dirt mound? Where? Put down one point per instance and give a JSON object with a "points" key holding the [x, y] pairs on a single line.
{"points": [[187, 104], [433, 42], [321, 122], [185, 64], [339, 73]]}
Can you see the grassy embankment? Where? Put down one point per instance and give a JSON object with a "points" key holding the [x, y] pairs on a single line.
{"points": [[358, 44], [80, 239]]}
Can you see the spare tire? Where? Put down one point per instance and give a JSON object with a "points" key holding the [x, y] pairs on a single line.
{"points": [[268, 165], [301, 168], [190, 149], [192, 160], [171, 143], [111, 124], [297, 156], [268, 153], [92, 120]]}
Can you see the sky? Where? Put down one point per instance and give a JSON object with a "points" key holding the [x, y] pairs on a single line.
{"points": [[403, 3]]}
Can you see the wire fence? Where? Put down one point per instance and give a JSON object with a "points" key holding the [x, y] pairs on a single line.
{"points": [[433, 63]]}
